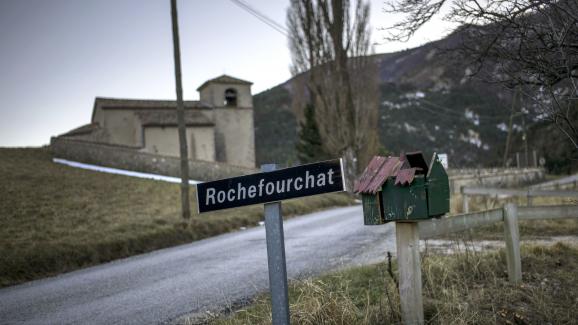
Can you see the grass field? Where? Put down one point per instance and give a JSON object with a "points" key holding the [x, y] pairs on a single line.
{"points": [[55, 218], [465, 288]]}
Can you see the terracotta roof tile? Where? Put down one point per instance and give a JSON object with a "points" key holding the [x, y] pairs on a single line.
{"points": [[368, 174], [405, 176], [379, 169], [376, 173]]}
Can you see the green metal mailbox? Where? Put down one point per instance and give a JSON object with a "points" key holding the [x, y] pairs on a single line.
{"points": [[403, 189]]}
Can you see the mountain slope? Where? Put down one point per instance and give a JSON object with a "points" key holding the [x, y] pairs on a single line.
{"points": [[428, 102]]}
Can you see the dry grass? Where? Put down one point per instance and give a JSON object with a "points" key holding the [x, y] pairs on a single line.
{"points": [[466, 288], [55, 218]]}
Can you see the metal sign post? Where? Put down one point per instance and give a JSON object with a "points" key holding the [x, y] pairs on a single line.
{"points": [[276, 259], [270, 187]]}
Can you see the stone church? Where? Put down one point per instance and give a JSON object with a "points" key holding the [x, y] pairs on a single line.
{"points": [[219, 125]]}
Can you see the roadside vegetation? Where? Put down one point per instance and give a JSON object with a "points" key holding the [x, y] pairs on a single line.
{"points": [[464, 288], [467, 287], [54, 218]]}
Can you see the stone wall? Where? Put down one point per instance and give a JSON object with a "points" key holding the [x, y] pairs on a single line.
{"points": [[130, 158], [494, 177]]}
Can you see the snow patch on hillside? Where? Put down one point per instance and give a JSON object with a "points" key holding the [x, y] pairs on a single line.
{"points": [[121, 171]]}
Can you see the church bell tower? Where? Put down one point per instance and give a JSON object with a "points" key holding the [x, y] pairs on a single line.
{"points": [[232, 104]]}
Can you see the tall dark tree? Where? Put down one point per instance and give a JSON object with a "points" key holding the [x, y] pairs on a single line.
{"points": [[185, 205], [309, 146], [330, 44]]}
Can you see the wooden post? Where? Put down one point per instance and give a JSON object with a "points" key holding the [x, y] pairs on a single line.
{"points": [[518, 160], [181, 127], [409, 265], [465, 203], [512, 236]]}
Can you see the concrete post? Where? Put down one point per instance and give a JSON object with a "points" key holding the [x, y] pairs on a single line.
{"points": [[409, 264], [512, 237]]}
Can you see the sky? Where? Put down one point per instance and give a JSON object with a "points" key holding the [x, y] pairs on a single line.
{"points": [[56, 56]]}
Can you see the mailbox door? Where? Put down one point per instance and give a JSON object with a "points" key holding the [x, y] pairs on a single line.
{"points": [[438, 190], [405, 203], [372, 210]]}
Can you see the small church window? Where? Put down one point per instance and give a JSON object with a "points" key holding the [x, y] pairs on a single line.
{"points": [[230, 97]]}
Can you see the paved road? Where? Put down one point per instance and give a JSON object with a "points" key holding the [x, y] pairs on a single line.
{"points": [[164, 285]]}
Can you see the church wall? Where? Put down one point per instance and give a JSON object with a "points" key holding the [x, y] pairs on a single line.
{"points": [[235, 136], [165, 141], [130, 159], [123, 127], [230, 141]]}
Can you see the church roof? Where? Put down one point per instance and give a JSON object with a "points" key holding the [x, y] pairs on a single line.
{"points": [[124, 103], [224, 79], [106, 103], [169, 118], [85, 129]]}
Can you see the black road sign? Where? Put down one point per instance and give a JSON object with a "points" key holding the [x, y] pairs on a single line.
{"points": [[282, 184]]}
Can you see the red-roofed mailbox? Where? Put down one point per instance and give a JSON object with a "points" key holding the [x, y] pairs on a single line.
{"points": [[403, 189]]}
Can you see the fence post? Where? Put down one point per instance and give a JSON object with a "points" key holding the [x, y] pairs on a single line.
{"points": [[408, 261], [512, 235], [465, 203]]}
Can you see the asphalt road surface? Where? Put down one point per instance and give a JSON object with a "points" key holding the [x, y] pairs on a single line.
{"points": [[165, 285]]}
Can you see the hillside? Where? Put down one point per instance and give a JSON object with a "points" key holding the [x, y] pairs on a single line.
{"points": [[428, 102], [56, 218]]}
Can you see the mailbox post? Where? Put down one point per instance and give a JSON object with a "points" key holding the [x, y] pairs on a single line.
{"points": [[405, 190]]}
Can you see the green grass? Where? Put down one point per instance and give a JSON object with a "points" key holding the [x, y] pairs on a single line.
{"points": [[465, 288], [55, 218]]}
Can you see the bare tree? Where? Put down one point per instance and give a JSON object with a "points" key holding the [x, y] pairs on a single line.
{"points": [[329, 44], [528, 45], [185, 205]]}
